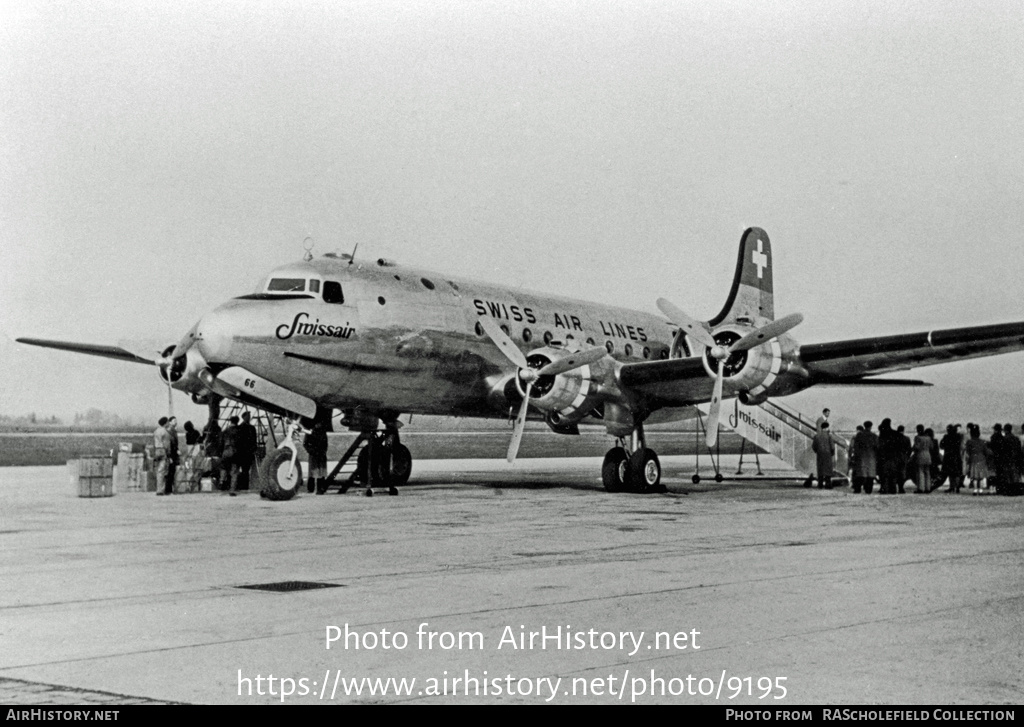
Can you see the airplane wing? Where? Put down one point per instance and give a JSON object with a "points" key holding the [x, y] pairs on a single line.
{"points": [[685, 381], [89, 348], [677, 381], [843, 361]]}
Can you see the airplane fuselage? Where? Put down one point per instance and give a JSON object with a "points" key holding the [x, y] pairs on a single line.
{"points": [[408, 340], [387, 338]]}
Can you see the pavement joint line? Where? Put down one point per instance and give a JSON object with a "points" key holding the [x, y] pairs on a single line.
{"points": [[37, 690], [576, 601]]}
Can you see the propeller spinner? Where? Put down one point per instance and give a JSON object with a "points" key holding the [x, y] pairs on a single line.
{"points": [[170, 360], [529, 375], [721, 354]]}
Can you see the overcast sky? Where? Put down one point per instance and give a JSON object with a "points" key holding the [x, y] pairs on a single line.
{"points": [[158, 158]]}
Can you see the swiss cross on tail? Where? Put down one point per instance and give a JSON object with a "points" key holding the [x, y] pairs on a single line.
{"points": [[760, 259]]}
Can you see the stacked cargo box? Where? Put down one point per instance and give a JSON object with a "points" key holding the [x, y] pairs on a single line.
{"points": [[92, 476]]}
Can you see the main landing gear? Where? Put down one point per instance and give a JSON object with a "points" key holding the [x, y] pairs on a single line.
{"points": [[632, 467]]}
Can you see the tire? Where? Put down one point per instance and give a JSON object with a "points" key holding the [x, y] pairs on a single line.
{"points": [[613, 471], [644, 471], [401, 466], [277, 485]]}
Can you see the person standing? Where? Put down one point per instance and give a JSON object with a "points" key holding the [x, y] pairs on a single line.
{"points": [[995, 461], [906, 459], [890, 448], [851, 460], [229, 457], [1011, 464], [212, 448], [865, 444], [193, 456], [246, 451], [823, 419], [824, 450], [172, 454], [952, 459], [161, 443], [923, 460], [315, 444], [976, 453]]}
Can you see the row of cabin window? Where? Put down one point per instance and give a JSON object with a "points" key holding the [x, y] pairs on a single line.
{"points": [[527, 336]]}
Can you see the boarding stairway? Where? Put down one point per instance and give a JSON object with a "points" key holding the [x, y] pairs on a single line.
{"points": [[780, 431]]}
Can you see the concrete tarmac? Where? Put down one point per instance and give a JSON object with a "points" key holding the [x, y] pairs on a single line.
{"points": [[816, 596]]}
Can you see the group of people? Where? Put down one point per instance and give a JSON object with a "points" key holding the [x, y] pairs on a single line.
{"points": [[229, 453], [892, 458]]}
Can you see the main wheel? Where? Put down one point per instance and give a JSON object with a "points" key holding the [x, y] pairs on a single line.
{"points": [[280, 480], [401, 465], [644, 471], [613, 471]]}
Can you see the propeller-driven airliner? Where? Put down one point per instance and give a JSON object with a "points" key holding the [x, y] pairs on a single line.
{"points": [[376, 339]]}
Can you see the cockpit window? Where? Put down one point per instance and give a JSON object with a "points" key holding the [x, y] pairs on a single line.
{"points": [[332, 292], [286, 285], [314, 286]]}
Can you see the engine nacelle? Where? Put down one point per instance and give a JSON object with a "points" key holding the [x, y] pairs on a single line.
{"points": [[183, 372], [567, 397], [751, 372]]}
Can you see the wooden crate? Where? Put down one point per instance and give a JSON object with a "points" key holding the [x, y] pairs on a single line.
{"points": [[92, 476], [130, 473]]}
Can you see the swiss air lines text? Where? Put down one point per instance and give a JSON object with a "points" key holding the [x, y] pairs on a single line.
{"points": [[567, 321]]}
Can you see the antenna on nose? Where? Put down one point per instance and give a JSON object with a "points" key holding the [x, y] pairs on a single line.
{"points": [[308, 245]]}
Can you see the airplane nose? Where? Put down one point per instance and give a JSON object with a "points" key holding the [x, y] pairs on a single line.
{"points": [[214, 335]]}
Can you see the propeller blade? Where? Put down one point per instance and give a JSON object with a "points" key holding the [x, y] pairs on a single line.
{"points": [[767, 332], [185, 343], [520, 424], [572, 361], [503, 342], [691, 327], [711, 435]]}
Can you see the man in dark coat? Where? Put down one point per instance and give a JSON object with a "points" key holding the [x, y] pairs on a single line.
{"points": [[229, 456], [246, 451], [1011, 461], [172, 454], [952, 459], [906, 448], [890, 458], [865, 444], [315, 444], [824, 450], [997, 467]]}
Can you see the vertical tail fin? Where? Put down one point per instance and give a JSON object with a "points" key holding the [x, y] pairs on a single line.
{"points": [[751, 296]]}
